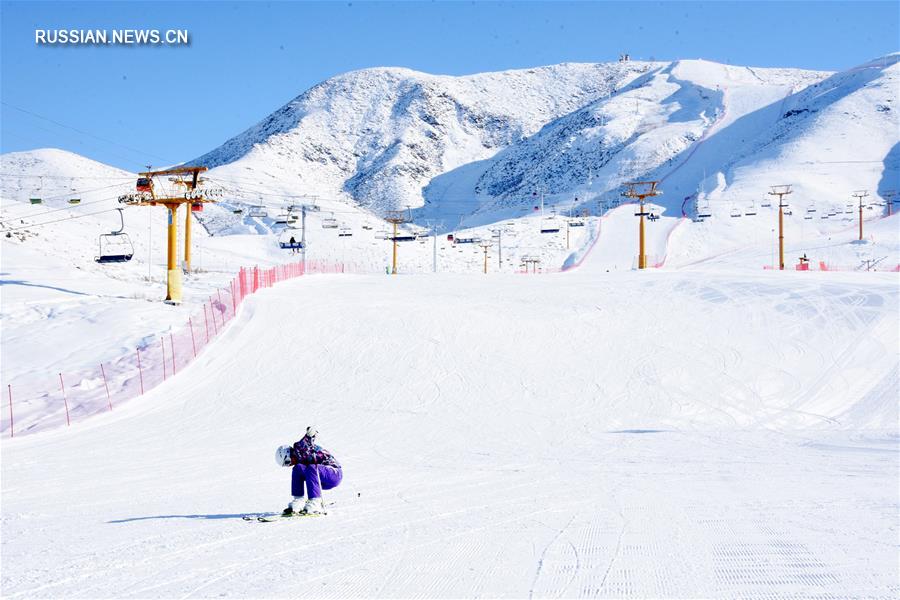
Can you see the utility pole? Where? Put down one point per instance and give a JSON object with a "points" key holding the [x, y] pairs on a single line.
{"points": [[396, 217], [781, 191], [641, 190], [485, 244], [859, 195]]}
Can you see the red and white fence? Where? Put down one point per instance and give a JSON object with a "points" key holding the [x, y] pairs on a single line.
{"points": [[72, 396], [824, 266]]}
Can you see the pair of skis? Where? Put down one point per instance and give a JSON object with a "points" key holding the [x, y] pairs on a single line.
{"points": [[273, 518], [270, 518]]}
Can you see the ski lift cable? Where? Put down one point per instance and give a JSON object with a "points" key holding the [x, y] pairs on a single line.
{"points": [[55, 210], [97, 137], [16, 215], [21, 176], [35, 225]]}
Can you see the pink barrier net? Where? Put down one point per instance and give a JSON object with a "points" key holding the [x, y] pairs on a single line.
{"points": [[73, 396]]}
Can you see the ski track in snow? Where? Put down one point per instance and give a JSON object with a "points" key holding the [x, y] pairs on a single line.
{"points": [[515, 468]]}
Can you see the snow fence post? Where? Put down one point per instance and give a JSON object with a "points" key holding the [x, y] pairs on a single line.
{"points": [[106, 385], [172, 342], [65, 400], [193, 343], [162, 342], [206, 319], [233, 299], [12, 432], [140, 370], [215, 326], [219, 296]]}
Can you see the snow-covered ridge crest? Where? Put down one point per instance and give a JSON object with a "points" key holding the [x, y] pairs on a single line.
{"points": [[378, 136]]}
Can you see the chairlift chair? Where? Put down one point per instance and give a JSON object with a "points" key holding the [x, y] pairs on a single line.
{"points": [[549, 225], [196, 207], [36, 201], [74, 200], [285, 243], [751, 212], [330, 222], [258, 211], [345, 231], [735, 213], [115, 246]]}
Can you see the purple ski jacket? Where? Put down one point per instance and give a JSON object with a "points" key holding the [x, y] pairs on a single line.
{"points": [[308, 452]]}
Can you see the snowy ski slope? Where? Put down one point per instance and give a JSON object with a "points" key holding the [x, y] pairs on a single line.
{"points": [[704, 429], [567, 435]]}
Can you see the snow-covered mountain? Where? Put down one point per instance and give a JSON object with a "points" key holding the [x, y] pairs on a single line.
{"points": [[490, 143], [378, 136]]}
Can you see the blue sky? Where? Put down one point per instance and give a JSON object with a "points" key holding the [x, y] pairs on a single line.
{"points": [[137, 105]]}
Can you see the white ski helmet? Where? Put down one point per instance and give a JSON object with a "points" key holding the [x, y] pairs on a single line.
{"points": [[283, 456], [311, 432]]}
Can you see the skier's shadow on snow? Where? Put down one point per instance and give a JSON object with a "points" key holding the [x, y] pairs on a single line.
{"points": [[640, 431], [235, 516]]}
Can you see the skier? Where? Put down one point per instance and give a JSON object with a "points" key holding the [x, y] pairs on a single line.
{"points": [[312, 465]]}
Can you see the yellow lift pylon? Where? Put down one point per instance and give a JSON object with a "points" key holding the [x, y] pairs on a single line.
{"points": [[781, 191], [397, 217], [641, 190], [486, 245], [189, 179]]}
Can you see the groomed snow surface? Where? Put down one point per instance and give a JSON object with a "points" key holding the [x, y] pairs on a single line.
{"points": [[631, 434], [708, 429]]}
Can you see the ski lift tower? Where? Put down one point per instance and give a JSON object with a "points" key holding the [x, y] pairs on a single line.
{"points": [[781, 191], [889, 200], [189, 179], [396, 217], [641, 190], [859, 195], [485, 245]]}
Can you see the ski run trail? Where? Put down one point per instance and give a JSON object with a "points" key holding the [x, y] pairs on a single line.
{"points": [[641, 434], [709, 429]]}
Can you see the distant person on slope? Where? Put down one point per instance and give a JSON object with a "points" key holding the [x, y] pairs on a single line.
{"points": [[313, 466]]}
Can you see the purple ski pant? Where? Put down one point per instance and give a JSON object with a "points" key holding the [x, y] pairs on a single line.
{"points": [[316, 477]]}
